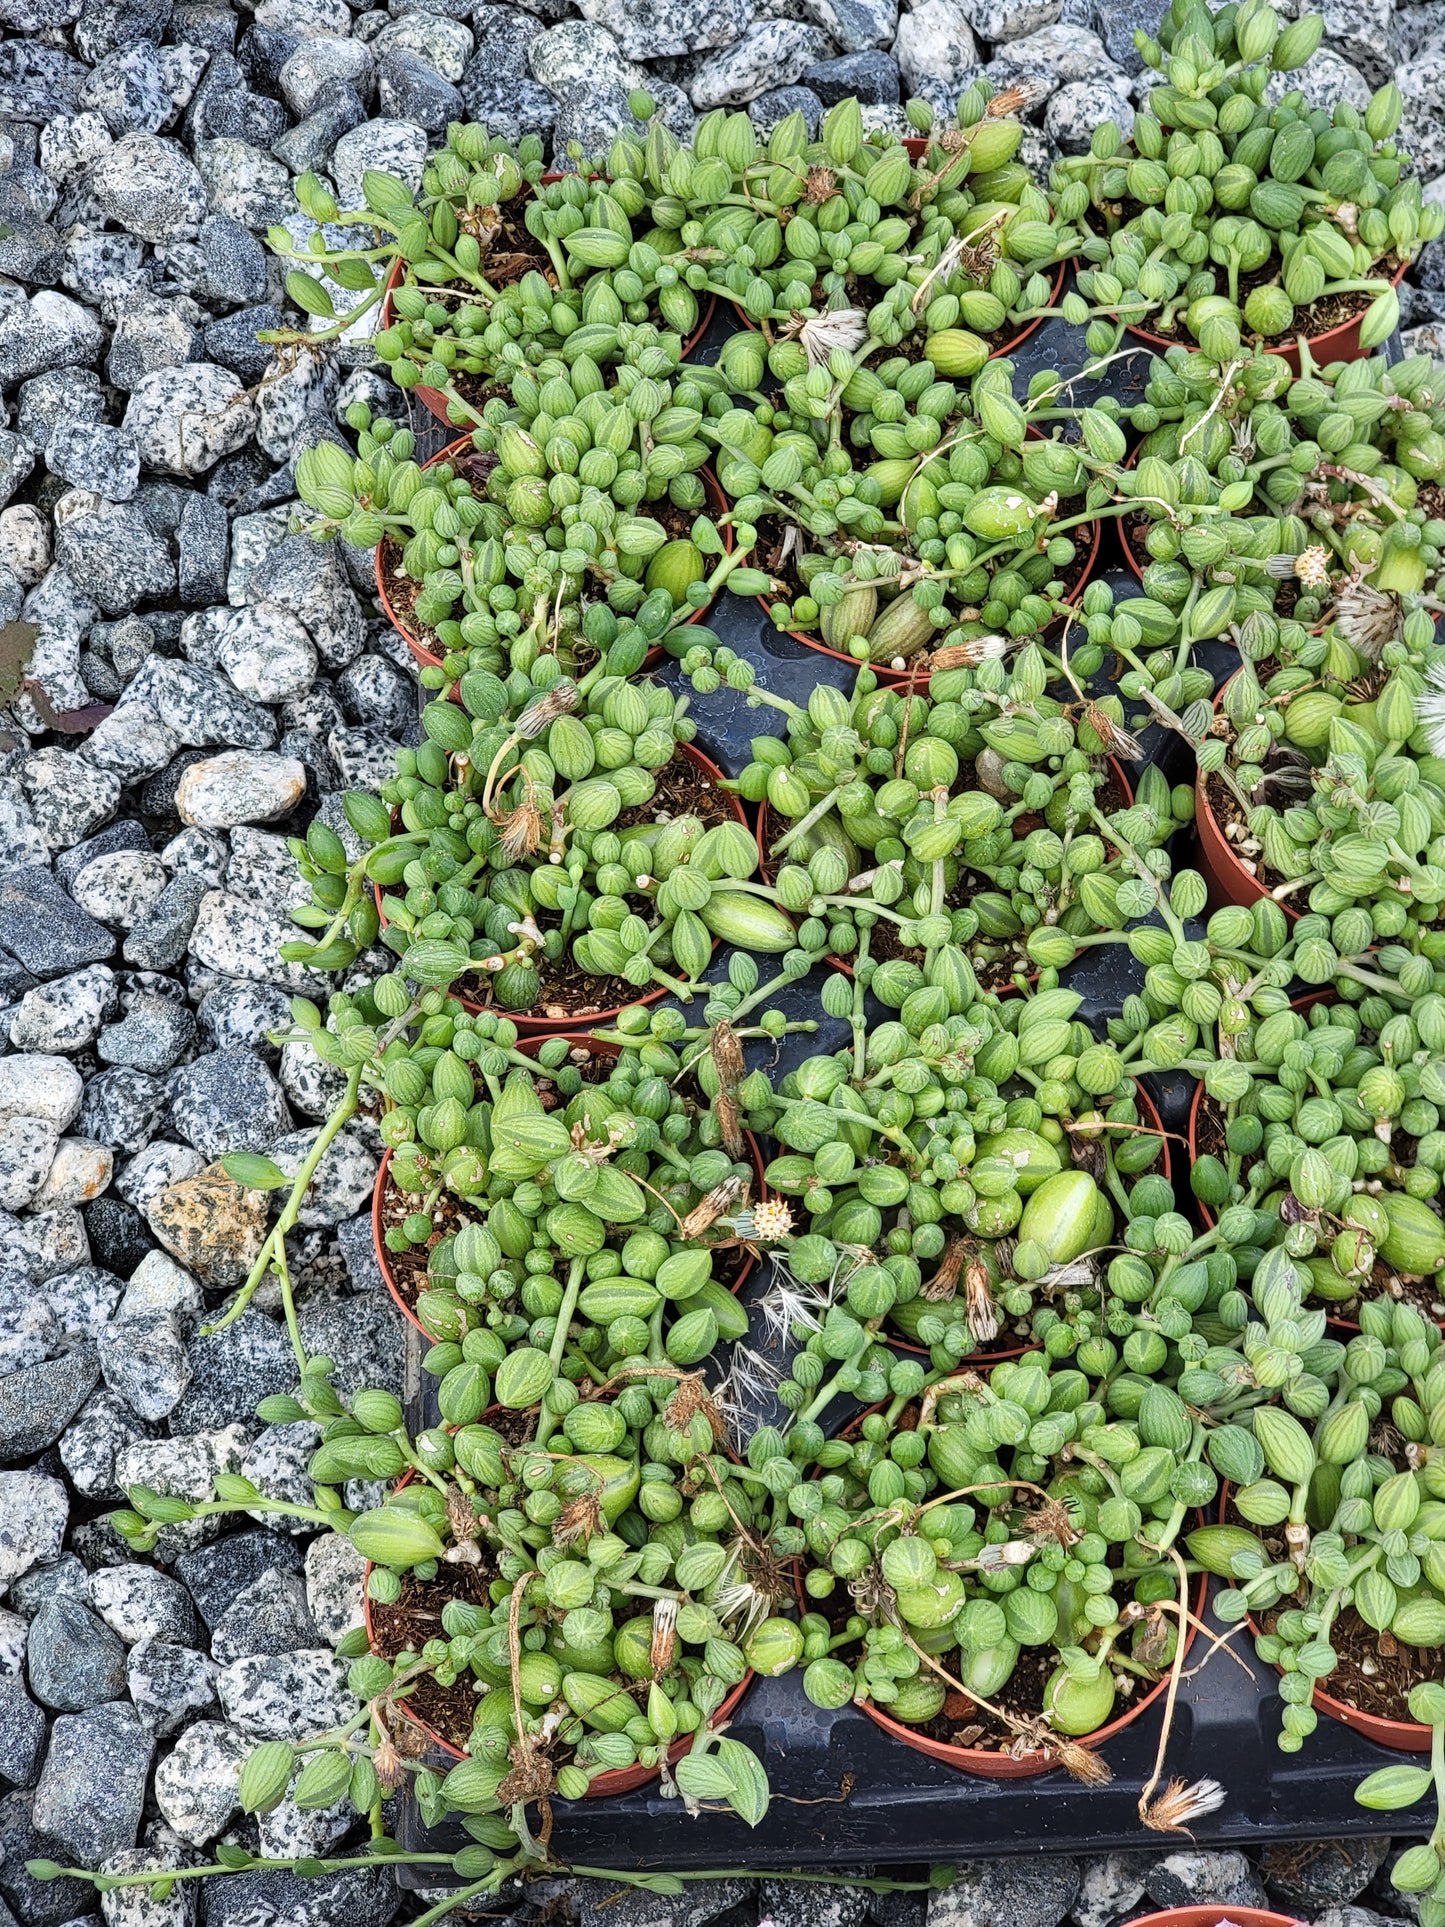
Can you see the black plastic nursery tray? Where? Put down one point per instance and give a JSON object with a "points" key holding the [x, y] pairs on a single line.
{"points": [[845, 1793]]}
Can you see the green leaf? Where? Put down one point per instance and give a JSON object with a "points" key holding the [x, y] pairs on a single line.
{"points": [[17, 646], [1393, 1787], [750, 1782], [654, 1883], [309, 295], [255, 1173], [703, 1776], [323, 1780]]}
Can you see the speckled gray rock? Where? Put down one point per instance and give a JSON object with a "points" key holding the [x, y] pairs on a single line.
{"points": [[50, 331], [228, 1101], [273, 1695], [308, 580], [1079, 107], [132, 742], [41, 926], [388, 146], [245, 183], [123, 1109], [29, 1329], [138, 1602], [69, 143], [335, 1575], [135, 1906], [25, 1156], [74, 1660], [344, 1178], [149, 187], [196, 1783], [69, 797], [94, 457], [80, 1171], [215, 1575], [239, 939], [154, 1034], [231, 1372], [92, 1787], [270, 1617], [1198, 1876], [870, 77], [365, 1336], [144, 1362], [770, 53], [201, 707], [38, 1086], [52, 1579], [152, 334], [169, 1685], [38, 1403], [511, 105], [653, 28], [185, 419], [267, 653], [1035, 1892], [128, 90], [1320, 1874], [23, 1731], [84, 1300], [119, 887], [91, 1445], [317, 64]]}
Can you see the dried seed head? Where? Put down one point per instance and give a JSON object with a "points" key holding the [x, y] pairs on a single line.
{"points": [[519, 831], [725, 1110], [968, 655], [1173, 1809], [845, 328], [1015, 98], [727, 1054], [1116, 739], [978, 1298], [821, 185], [1367, 618], [944, 1282], [462, 1516], [578, 1519], [711, 1208], [664, 1636], [387, 1765], [560, 700], [1082, 1765], [1053, 1520], [687, 1401]]}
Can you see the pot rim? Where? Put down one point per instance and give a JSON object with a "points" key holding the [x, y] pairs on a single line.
{"points": [[463, 445], [529, 1026], [617, 1780], [527, 1044]]}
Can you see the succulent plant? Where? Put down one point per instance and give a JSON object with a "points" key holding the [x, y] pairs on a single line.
{"points": [[1216, 190]]}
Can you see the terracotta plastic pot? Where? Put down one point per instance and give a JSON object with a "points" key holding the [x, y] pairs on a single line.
{"points": [[979, 1762], [529, 1046], [453, 452], [539, 1027], [1337, 344], [435, 402], [623, 1779], [1008, 347], [918, 680], [766, 864], [1216, 1917], [1223, 871]]}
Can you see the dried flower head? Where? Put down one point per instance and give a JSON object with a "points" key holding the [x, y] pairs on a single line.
{"points": [[725, 1110], [387, 1765], [1017, 97], [1430, 707], [710, 1209], [690, 1398], [1053, 1520], [578, 1519], [943, 1285], [769, 1221], [1367, 618], [820, 334], [560, 700], [1116, 739], [821, 185], [968, 655], [727, 1054], [664, 1636], [519, 831], [978, 1299], [1173, 1809]]}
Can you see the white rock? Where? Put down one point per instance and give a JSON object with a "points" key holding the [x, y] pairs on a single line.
{"points": [[33, 1514], [935, 44], [240, 786], [81, 1170], [267, 653], [335, 1575], [389, 146], [65, 1014], [196, 1783], [158, 1283], [121, 887], [185, 419], [770, 53], [27, 1149], [275, 1696], [40, 1086], [24, 543], [132, 741]]}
